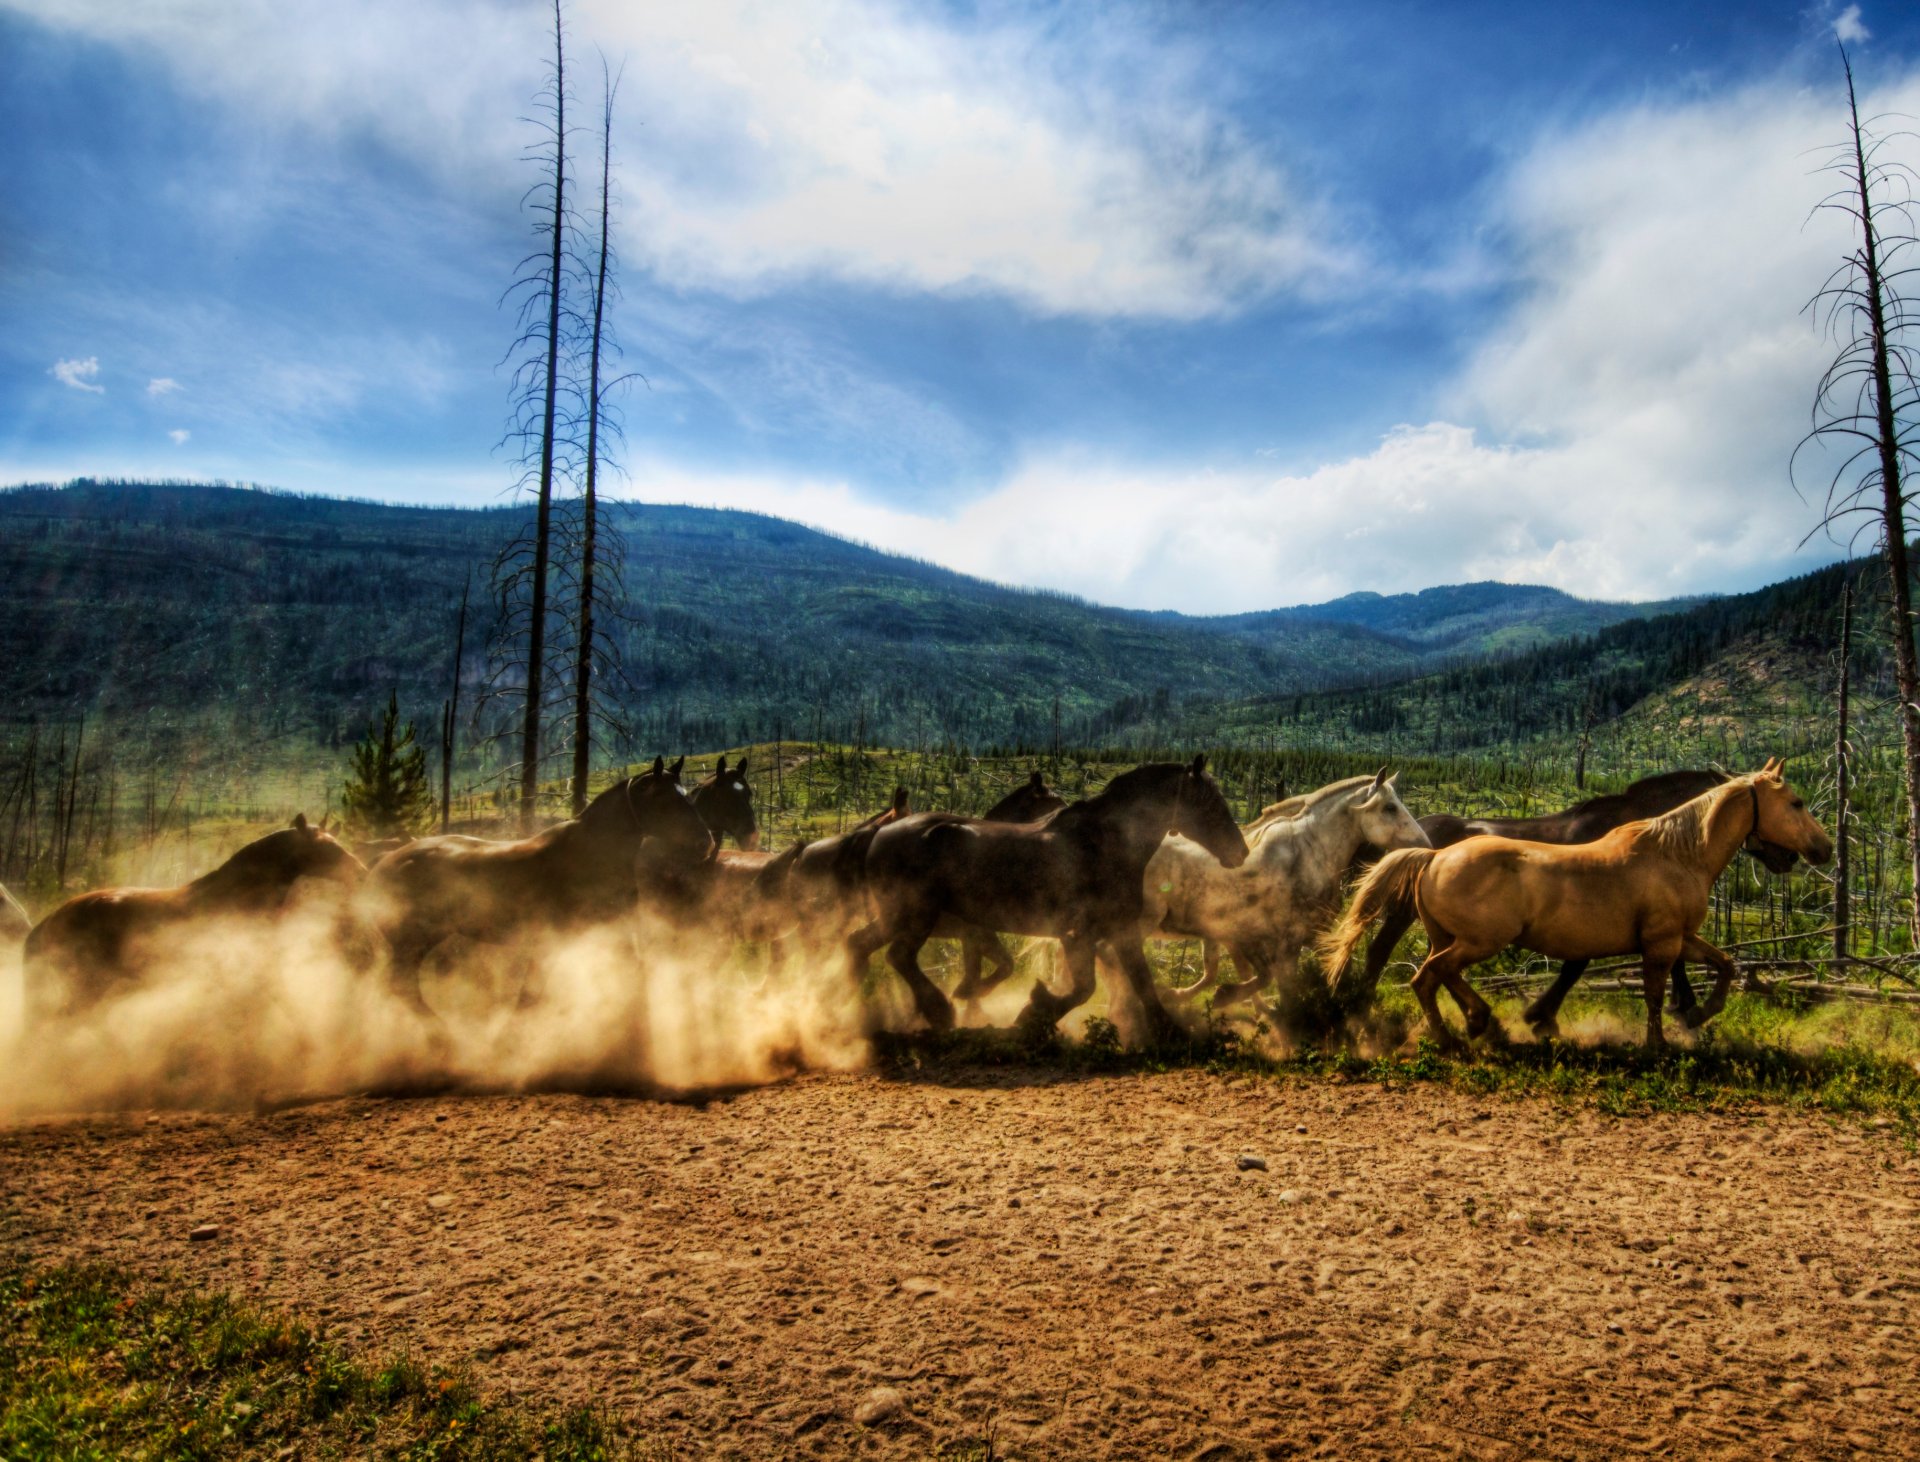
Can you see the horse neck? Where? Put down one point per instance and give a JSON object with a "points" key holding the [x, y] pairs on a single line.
{"points": [[1711, 829], [238, 884], [1140, 812], [1320, 842]]}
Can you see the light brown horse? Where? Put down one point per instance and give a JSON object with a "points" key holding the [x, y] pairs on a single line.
{"points": [[97, 941], [1641, 889], [572, 875]]}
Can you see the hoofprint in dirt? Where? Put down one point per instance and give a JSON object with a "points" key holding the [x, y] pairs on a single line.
{"points": [[863, 1265]]}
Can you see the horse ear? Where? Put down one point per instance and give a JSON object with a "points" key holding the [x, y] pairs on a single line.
{"points": [[1037, 782], [674, 770], [1199, 764], [299, 823], [659, 765], [740, 767], [1379, 779], [900, 800], [720, 767]]}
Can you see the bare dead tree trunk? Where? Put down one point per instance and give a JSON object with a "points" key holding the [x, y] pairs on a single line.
{"points": [[543, 512], [1842, 788], [589, 507], [1860, 403], [450, 714]]}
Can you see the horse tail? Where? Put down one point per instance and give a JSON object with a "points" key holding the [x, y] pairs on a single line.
{"points": [[1392, 881], [771, 881]]}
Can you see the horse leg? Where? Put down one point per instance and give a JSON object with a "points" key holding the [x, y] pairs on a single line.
{"points": [[1044, 1008], [1256, 973], [1680, 997], [1161, 1026], [1544, 1013], [1695, 1016], [1426, 984], [1210, 962], [861, 945], [1655, 961], [903, 954], [407, 951], [1386, 938], [972, 956]]}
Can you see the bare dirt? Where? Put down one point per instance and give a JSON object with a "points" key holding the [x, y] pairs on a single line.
{"points": [[871, 1266]]}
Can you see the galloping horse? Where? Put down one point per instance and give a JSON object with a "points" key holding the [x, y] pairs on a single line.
{"points": [[725, 804], [95, 941], [1075, 876], [1581, 823], [1272, 906], [1641, 889], [571, 875]]}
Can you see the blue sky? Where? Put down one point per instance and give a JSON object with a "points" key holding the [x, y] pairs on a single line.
{"points": [[1202, 306]]}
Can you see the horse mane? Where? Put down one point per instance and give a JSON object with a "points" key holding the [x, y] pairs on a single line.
{"points": [[1293, 807], [1684, 830]]}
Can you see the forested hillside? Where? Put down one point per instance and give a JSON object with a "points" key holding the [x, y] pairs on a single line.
{"points": [[291, 617]]}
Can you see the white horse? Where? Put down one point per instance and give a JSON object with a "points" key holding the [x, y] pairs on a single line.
{"points": [[1287, 892]]}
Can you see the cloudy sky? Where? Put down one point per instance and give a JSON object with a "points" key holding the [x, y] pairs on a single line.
{"points": [[1194, 305]]}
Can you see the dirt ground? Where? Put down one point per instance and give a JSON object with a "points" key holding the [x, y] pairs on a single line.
{"points": [[1078, 1267]]}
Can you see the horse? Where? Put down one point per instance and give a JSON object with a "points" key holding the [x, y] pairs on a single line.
{"points": [[1032, 800], [572, 875], [826, 884], [1076, 876], [1641, 889], [1272, 906], [1581, 823], [725, 803], [95, 941]]}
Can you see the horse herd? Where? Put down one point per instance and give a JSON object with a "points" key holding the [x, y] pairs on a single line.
{"points": [[1155, 854]]}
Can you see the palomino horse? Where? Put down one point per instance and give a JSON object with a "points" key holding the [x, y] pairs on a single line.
{"points": [[96, 941], [1641, 889], [1283, 897], [574, 874], [725, 804], [1075, 876], [1581, 823]]}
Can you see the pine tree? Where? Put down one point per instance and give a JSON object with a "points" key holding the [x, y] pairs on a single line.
{"points": [[387, 794]]}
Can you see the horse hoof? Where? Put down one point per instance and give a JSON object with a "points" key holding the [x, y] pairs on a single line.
{"points": [[1478, 1022], [939, 1017], [1546, 1030], [1693, 1017]]}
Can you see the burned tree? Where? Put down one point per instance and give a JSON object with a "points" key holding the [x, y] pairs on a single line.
{"points": [[1864, 405]]}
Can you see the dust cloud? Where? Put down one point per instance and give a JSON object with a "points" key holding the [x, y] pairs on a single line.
{"points": [[236, 1013]]}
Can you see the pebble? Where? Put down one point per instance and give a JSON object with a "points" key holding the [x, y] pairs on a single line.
{"points": [[1291, 1195], [882, 1403], [1247, 1161], [204, 1232], [1013, 1203], [1301, 1129], [440, 1200]]}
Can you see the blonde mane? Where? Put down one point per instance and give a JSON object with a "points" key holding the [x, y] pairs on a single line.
{"points": [[1684, 830], [1294, 807]]}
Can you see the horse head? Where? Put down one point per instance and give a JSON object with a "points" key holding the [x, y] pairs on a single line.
{"points": [[1200, 812], [1032, 800], [313, 852], [1383, 819], [725, 803], [658, 807], [1782, 821]]}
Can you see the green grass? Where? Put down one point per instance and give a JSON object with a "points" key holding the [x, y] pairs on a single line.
{"points": [[97, 1363], [1856, 1063]]}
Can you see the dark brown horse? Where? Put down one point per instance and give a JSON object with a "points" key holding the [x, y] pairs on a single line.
{"points": [[1584, 822], [725, 804], [96, 941], [572, 875], [1075, 876], [1032, 800], [826, 886]]}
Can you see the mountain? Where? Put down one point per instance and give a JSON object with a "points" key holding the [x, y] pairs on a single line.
{"points": [[289, 618]]}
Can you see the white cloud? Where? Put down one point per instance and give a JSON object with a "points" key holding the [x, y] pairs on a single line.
{"points": [[162, 386], [1624, 433], [1848, 28], [80, 374], [179, 436], [1070, 165]]}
